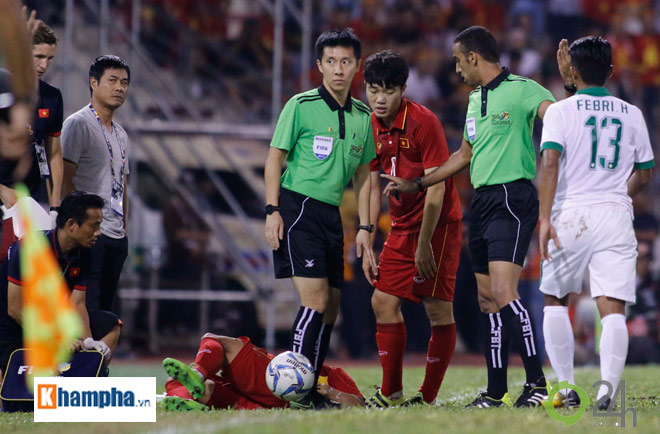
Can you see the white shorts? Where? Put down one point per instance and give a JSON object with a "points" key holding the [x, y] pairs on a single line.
{"points": [[600, 237]]}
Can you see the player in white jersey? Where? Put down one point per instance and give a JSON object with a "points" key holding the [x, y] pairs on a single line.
{"points": [[591, 144]]}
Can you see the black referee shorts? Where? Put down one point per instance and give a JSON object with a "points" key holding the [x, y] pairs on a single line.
{"points": [[313, 244], [503, 220]]}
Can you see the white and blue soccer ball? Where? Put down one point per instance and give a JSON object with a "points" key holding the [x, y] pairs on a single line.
{"points": [[290, 376]]}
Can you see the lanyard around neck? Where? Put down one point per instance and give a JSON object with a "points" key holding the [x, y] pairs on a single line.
{"points": [[122, 149]]}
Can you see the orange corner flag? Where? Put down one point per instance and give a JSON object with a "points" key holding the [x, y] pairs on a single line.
{"points": [[50, 323]]}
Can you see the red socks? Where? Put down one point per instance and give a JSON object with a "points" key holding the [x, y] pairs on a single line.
{"points": [[440, 352], [210, 357], [391, 340]]}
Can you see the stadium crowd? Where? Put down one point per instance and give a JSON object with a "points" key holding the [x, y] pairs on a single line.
{"points": [[228, 54], [423, 30]]}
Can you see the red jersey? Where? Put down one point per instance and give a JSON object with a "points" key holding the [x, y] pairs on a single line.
{"points": [[416, 141], [242, 384]]}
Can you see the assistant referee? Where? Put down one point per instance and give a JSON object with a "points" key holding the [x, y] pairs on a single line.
{"points": [[497, 142], [325, 136]]}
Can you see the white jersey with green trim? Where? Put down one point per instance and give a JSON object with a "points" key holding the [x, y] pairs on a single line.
{"points": [[601, 138]]}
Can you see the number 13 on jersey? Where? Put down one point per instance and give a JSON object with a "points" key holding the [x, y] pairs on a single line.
{"points": [[610, 125]]}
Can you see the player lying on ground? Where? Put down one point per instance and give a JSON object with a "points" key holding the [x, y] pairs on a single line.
{"points": [[242, 383]]}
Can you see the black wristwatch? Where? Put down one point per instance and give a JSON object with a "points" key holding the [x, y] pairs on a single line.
{"points": [[418, 181], [368, 228], [55, 208], [271, 209], [572, 88]]}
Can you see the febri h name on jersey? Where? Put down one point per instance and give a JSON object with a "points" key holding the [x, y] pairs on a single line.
{"points": [[600, 105]]}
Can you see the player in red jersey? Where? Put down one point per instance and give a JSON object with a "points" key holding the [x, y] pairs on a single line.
{"points": [[421, 254], [242, 383]]}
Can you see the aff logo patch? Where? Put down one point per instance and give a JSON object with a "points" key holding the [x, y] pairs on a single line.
{"points": [[502, 118], [322, 147], [404, 143], [356, 150], [44, 113], [75, 272]]}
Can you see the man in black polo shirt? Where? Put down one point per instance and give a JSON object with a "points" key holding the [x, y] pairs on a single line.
{"points": [[45, 131], [78, 226]]}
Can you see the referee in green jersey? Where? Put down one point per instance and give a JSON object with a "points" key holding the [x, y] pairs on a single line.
{"points": [[497, 143], [325, 137]]}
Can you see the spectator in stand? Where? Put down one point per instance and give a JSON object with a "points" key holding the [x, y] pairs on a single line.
{"points": [[488, 13], [622, 48], [519, 55], [369, 26], [422, 85], [648, 52], [565, 19]]}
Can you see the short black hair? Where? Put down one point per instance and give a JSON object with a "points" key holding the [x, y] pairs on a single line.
{"points": [[592, 57], [108, 61], [44, 35], [75, 206], [387, 68], [480, 40], [338, 38]]}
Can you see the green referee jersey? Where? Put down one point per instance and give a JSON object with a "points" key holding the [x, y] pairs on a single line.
{"points": [[325, 142], [499, 125]]}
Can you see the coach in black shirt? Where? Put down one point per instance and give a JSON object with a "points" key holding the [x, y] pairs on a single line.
{"points": [[44, 131]]}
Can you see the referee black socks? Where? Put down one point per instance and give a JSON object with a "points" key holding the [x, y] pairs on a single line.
{"points": [[497, 355], [307, 335], [527, 346]]}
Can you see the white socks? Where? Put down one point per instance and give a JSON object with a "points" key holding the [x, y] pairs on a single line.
{"points": [[560, 346], [613, 350], [559, 342]]}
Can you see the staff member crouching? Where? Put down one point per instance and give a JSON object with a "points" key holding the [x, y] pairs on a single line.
{"points": [[78, 227]]}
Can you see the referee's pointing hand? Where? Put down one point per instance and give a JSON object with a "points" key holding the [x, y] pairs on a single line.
{"points": [[398, 185]]}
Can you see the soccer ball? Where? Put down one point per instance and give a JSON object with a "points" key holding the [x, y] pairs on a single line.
{"points": [[290, 376]]}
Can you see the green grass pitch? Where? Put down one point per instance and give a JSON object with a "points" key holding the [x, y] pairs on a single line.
{"points": [[461, 385]]}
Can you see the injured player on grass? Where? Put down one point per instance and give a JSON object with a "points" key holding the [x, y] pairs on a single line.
{"points": [[230, 373]]}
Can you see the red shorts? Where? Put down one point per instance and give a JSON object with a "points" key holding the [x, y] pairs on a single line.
{"points": [[397, 274], [247, 374]]}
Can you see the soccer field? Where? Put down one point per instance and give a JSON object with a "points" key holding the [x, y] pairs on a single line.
{"points": [[461, 384]]}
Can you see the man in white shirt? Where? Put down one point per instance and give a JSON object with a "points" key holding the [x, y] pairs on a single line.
{"points": [[591, 143]]}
